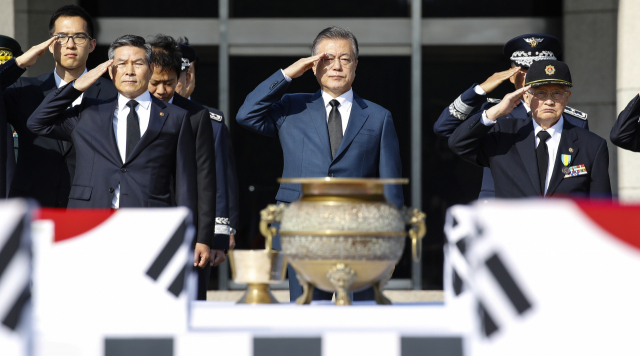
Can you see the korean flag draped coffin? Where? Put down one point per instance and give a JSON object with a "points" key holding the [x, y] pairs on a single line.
{"points": [[15, 278], [100, 274], [552, 277]]}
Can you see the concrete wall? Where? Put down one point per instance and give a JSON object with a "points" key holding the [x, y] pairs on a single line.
{"points": [[590, 45], [627, 87]]}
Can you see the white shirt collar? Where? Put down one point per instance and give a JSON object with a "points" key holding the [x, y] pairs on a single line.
{"points": [[60, 82], [171, 100], [144, 100], [344, 99], [553, 130]]}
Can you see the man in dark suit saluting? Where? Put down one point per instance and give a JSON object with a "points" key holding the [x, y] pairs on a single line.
{"points": [[332, 133], [545, 155], [129, 147], [46, 166], [167, 64]]}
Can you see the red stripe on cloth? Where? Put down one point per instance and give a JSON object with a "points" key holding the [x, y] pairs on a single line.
{"points": [[73, 222], [621, 221]]}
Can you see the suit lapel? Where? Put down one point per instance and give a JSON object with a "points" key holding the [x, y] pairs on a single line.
{"points": [[318, 114], [93, 90], [357, 118], [520, 112], [567, 141], [156, 122], [47, 86], [526, 145], [107, 112]]}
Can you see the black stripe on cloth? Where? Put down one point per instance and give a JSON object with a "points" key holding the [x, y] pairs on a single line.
{"points": [[138, 347], [487, 324], [167, 252], [11, 247], [458, 284], [462, 246], [12, 319], [431, 346], [295, 346], [177, 285], [508, 284]]}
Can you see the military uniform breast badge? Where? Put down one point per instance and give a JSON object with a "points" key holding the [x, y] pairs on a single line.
{"points": [[576, 171]]}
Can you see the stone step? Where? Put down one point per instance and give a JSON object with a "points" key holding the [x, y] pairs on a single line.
{"points": [[397, 296]]}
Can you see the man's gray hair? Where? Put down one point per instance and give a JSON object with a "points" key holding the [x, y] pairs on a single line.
{"points": [[334, 33], [133, 41]]}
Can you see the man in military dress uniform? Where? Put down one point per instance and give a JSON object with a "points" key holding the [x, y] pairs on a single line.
{"points": [[227, 204], [8, 49], [544, 155], [522, 51]]}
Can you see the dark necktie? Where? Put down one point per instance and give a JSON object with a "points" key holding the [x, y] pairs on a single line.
{"points": [[542, 153], [133, 127], [335, 127]]}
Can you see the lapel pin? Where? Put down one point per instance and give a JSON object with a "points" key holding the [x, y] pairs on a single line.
{"points": [[570, 149], [162, 114]]}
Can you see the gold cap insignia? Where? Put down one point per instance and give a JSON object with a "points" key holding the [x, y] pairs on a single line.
{"points": [[533, 42], [550, 70], [5, 55]]}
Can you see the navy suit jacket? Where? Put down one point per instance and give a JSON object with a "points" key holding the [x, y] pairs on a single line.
{"points": [[464, 106], [508, 149], [167, 148], [369, 148], [45, 166], [625, 132]]}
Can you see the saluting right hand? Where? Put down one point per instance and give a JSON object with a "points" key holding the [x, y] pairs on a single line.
{"points": [[507, 104], [30, 57], [83, 83], [302, 65], [496, 79]]}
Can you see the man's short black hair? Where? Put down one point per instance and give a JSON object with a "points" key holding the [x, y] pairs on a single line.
{"points": [[71, 11], [166, 54]]}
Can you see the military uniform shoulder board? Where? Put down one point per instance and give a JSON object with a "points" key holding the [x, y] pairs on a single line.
{"points": [[575, 113], [215, 116], [493, 101]]}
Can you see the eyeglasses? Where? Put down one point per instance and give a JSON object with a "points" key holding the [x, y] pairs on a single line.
{"points": [[543, 95], [329, 60], [78, 39]]}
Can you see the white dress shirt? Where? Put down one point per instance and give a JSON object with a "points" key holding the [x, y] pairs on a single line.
{"points": [[552, 143], [143, 109], [60, 83], [345, 100]]}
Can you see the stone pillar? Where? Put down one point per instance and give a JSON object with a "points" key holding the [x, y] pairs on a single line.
{"points": [[628, 85], [7, 18], [590, 41]]}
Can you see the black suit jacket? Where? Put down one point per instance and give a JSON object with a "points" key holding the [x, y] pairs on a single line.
{"points": [[206, 171], [508, 149], [227, 201], [626, 130], [167, 148], [45, 166]]}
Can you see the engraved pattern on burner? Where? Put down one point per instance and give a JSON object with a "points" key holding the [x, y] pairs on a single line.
{"points": [[360, 248], [375, 217]]}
